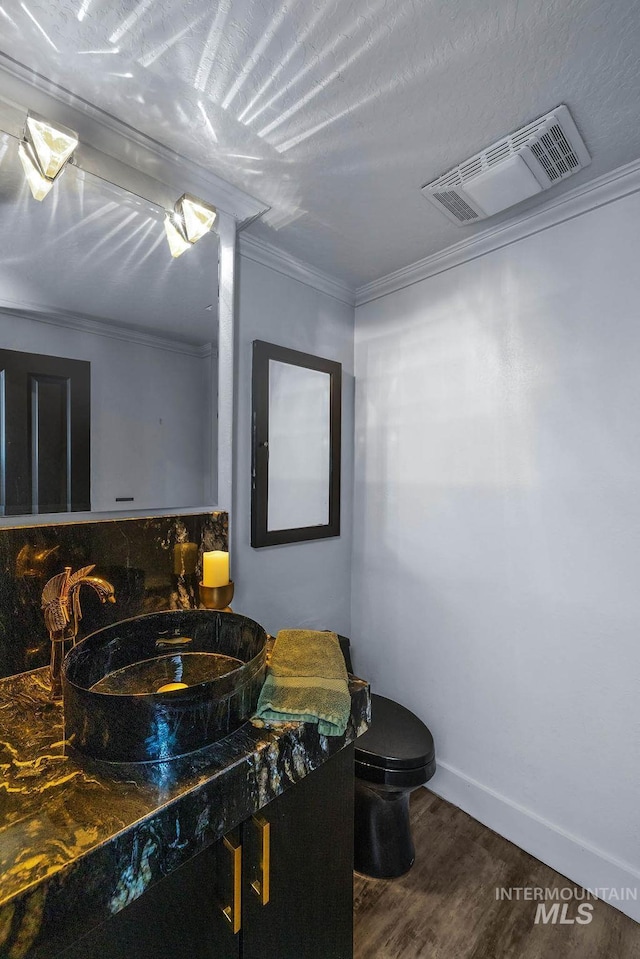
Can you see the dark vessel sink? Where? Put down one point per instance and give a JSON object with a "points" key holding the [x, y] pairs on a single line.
{"points": [[158, 686]]}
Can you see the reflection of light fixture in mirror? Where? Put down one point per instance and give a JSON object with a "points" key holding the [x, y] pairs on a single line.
{"points": [[44, 152], [191, 219]]}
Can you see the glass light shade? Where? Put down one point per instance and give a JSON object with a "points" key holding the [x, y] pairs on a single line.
{"points": [[198, 217], [52, 145], [177, 242], [38, 184]]}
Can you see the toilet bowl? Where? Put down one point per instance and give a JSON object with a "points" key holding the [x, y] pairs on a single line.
{"points": [[394, 757]]}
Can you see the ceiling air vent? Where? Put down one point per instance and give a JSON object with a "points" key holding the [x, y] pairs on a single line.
{"points": [[518, 166]]}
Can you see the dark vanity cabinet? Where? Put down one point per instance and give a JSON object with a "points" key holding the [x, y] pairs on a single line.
{"points": [[310, 912], [279, 886]]}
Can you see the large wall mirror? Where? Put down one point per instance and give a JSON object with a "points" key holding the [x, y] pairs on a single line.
{"points": [[297, 401], [87, 275]]}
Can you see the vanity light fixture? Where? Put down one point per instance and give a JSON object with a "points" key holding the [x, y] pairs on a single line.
{"points": [[190, 220], [44, 152], [47, 147]]}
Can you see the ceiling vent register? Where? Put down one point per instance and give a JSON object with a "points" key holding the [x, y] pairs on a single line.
{"points": [[513, 169]]}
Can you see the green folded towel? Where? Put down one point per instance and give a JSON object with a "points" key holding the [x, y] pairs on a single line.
{"points": [[306, 682]]}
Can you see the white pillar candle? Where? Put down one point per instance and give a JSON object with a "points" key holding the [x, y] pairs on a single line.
{"points": [[215, 568]]}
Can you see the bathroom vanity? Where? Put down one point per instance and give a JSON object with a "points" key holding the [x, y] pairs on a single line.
{"points": [[241, 849]]}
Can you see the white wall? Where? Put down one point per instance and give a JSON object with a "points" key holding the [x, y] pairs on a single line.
{"points": [[148, 433], [297, 584], [496, 563]]}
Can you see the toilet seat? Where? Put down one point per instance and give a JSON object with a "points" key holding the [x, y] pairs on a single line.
{"points": [[396, 738], [397, 749]]}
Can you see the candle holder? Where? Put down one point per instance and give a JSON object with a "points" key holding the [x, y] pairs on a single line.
{"points": [[217, 597]]}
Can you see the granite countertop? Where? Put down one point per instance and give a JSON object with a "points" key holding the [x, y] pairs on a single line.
{"points": [[80, 840]]}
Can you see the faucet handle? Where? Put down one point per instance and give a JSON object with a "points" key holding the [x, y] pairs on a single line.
{"points": [[79, 574], [58, 586], [54, 588], [55, 597]]}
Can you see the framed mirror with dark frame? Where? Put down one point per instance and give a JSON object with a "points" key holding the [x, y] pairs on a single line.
{"points": [[296, 438]]}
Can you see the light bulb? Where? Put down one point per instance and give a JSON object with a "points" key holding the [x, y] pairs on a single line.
{"points": [[198, 217], [177, 243], [38, 184], [53, 145]]}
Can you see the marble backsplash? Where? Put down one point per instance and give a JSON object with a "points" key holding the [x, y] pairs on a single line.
{"points": [[138, 556]]}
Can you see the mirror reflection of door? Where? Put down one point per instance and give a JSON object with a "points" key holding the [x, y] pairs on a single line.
{"points": [[299, 446], [44, 434]]}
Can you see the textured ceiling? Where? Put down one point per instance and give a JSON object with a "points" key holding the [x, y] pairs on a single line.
{"points": [[335, 112]]}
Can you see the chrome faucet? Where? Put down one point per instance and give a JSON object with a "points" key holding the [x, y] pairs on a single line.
{"points": [[62, 614]]}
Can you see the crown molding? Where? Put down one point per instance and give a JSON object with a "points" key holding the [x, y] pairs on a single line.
{"points": [[605, 189], [75, 321], [24, 90], [276, 259]]}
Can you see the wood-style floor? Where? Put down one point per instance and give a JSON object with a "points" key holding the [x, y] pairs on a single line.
{"points": [[446, 907]]}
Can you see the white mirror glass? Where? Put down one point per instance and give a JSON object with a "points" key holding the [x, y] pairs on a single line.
{"points": [[87, 274], [299, 446]]}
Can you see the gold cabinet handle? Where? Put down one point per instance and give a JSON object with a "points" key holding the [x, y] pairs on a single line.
{"points": [[233, 912], [261, 885]]}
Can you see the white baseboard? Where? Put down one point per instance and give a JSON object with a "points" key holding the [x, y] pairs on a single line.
{"points": [[580, 862]]}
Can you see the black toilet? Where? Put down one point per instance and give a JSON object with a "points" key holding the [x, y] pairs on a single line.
{"points": [[394, 757]]}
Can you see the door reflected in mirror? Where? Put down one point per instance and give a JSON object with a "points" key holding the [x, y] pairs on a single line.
{"points": [[296, 446], [45, 414], [87, 275]]}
